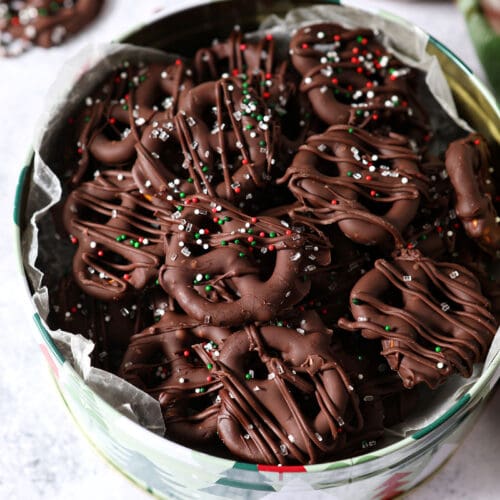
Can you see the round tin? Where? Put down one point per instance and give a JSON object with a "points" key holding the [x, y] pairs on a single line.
{"points": [[170, 470]]}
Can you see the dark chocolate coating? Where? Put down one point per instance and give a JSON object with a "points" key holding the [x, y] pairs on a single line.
{"points": [[351, 78], [467, 163], [119, 234], [42, 22], [431, 317], [338, 176], [226, 245]]}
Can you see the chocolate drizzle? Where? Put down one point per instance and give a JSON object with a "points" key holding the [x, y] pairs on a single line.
{"points": [[431, 317]]}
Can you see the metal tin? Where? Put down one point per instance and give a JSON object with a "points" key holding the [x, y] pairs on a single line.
{"points": [[170, 470]]}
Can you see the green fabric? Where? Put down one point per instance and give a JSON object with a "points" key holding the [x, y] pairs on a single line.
{"points": [[486, 41]]}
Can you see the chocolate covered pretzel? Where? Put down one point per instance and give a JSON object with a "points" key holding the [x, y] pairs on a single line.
{"points": [[162, 361], [468, 165], [42, 22], [225, 268], [118, 233], [221, 144], [284, 399], [115, 116], [431, 317], [367, 184], [351, 78]]}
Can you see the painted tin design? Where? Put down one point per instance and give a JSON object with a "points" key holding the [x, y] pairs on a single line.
{"points": [[169, 470]]}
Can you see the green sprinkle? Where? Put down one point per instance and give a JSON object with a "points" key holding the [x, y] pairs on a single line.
{"points": [[262, 143], [87, 119], [142, 78], [437, 349], [249, 127], [272, 234], [43, 12], [355, 301], [157, 282], [387, 328], [220, 222], [236, 241], [241, 254], [210, 366], [195, 281], [260, 118], [125, 107], [248, 376], [182, 195], [223, 243], [349, 174], [350, 130], [179, 208], [250, 231], [244, 92], [207, 276], [253, 243], [136, 244], [280, 323], [244, 85], [190, 180], [359, 39], [208, 288], [196, 235], [204, 168]]}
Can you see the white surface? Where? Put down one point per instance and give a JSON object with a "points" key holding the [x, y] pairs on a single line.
{"points": [[42, 454]]}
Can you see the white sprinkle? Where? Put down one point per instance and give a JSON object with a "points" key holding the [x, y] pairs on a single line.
{"points": [[404, 180], [93, 244], [440, 365], [307, 80], [406, 278], [454, 275]]}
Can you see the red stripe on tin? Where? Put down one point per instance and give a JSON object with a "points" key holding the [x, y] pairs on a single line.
{"points": [[49, 359], [281, 468]]}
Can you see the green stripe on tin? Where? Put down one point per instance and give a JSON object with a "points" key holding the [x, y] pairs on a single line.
{"points": [[245, 466], [19, 195], [48, 339], [450, 54], [225, 481], [459, 404]]}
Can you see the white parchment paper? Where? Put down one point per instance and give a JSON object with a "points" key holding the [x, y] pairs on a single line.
{"points": [[83, 73]]}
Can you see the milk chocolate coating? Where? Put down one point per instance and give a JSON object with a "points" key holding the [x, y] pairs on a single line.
{"points": [[350, 77], [370, 185], [467, 163], [431, 317], [42, 22], [228, 246]]}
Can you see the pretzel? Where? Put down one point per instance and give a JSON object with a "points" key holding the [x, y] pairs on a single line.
{"points": [[42, 22], [284, 398], [225, 268], [338, 176], [431, 317], [467, 163], [350, 78], [162, 360], [216, 146], [118, 233], [123, 107]]}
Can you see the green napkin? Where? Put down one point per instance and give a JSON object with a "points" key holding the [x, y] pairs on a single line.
{"points": [[486, 41]]}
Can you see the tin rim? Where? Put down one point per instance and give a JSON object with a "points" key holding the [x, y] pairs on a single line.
{"points": [[432, 433]]}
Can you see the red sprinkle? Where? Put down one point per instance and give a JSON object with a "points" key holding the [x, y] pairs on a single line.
{"points": [[359, 69], [126, 277], [235, 72], [262, 234], [112, 120], [477, 142], [237, 189], [253, 220], [73, 309], [178, 62], [305, 46], [244, 161], [243, 46], [288, 232], [373, 192], [270, 248], [336, 38], [209, 379], [266, 95], [334, 202], [186, 353], [250, 239], [73, 240], [368, 177], [100, 253], [269, 37]]}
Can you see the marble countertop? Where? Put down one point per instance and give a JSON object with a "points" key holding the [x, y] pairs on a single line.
{"points": [[43, 455]]}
